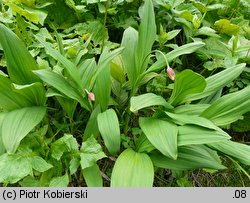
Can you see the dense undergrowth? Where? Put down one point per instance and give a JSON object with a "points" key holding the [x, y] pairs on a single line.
{"points": [[124, 93]]}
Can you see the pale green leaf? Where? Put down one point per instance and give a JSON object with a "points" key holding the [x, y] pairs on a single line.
{"points": [[11, 100], [65, 144], [34, 15], [102, 88], [147, 100], [162, 134], [92, 125], [206, 31], [201, 7], [172, 34], [39, 164], [189, 157], [186, 83], [104, 61], [229, 108], [130, 42], [234, 149], [20, 63], [170, 56], [117, 72], [29, 181], [90, 152], [215, 6], [191, 109], [61, 181], [70, 67], [182, 119], [225, 27], [18, 123], [14, 167], [87, 70], [132, 169], [108, 125], [92, 176], [218, 81], [193, 135], [60, 83], [147, 35], [34, 93], [143, 144], [74, 164]]}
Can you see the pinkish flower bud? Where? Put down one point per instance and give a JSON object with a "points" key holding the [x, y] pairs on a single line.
{"points": [[91, 96], [171, 73]]}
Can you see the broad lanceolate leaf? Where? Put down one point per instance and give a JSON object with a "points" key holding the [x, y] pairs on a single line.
{"points": [[105, 59], [218, 81], [132, 169], [18, 123], [186, 83], [162, 134], [90, 153], [189, 157], [147, 35], [147, 100], [183, 119], [108, 125], [60, 83], [197, 130], [70, 67], [11, 100], [87, 70], [34, 93], [61, 181], [129, 42], [65, 144], [20, 63], [92, 176], [191, 109], [15, 167], [102, 88], [92, 125], [229, 108], [185, 49], [234, 149], [15, 96], [192, 134]]}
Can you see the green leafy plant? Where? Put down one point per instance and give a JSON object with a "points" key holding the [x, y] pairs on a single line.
{"points": [[77, 108]]}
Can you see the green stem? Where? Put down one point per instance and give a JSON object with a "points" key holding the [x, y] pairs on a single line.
{"points": [[239, 167], [203, 16], [133, 90], [235, 9], [128, 112]]}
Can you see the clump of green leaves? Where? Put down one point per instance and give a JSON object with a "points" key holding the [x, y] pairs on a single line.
{"points": [[77, 106]]}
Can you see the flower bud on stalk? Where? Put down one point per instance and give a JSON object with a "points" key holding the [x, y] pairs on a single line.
{"points": [[171, 73], [91, 96]]}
